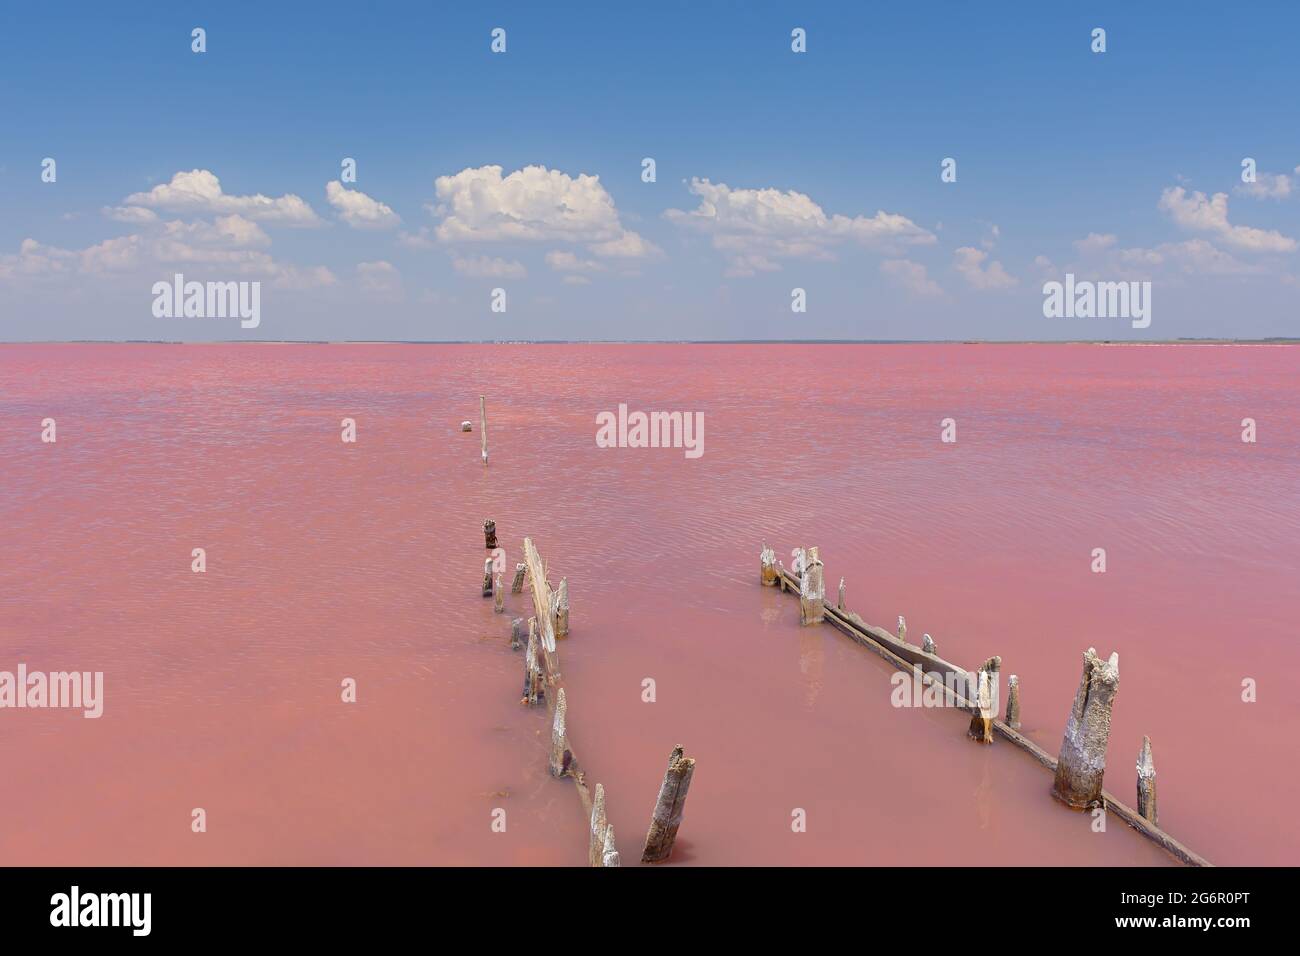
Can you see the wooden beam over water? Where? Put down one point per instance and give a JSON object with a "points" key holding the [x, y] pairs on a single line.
{"points": [[960, 688]]}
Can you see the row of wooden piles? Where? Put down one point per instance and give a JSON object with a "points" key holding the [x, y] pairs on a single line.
{"points": [[544, 686], [1080, 766]]}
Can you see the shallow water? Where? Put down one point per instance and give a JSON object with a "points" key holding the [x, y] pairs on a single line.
{"points": [[327, 560]]}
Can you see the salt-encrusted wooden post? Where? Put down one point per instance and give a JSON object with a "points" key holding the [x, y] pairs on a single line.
{"points": [[561, 755], [1146, 767], [927, 644], [902, 629], [499, 605], [667, 816], [780, 576], [516, 633], [981, 721], [1082, 763], [986, 704], [490, 534], [609, 855], [798, 562], [542, 608], [1013, 702], [467, 426], [518, 585], [840, 605], [560, 603], [767, 567], [482, 413], [812, 590], [596, 844], [487, 578], [534, 685]]}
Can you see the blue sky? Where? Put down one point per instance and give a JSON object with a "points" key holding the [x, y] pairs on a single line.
{"points": [[821, 168]]}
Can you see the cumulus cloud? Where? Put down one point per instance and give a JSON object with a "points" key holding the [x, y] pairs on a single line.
{"points": [[756, 227], [1095, 242], [533, 204], [1270, 186], [911, 276], [1192, 257], [135, 215], [969, 261], [359, 210], [199, 191], [487, 267], [1197, 213], [223, 248]]}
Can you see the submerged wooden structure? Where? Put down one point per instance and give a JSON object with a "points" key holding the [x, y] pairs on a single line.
{"points": [[1077, 772], [544, 685]]}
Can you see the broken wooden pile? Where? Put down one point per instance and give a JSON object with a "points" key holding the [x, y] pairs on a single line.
{"points": [[1078, 770], [544, 685]]}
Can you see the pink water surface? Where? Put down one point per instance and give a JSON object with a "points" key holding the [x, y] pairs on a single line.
{"points": [[327, 560]]}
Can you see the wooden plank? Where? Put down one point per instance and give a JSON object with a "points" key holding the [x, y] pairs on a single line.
{"points": [[935, 669]]}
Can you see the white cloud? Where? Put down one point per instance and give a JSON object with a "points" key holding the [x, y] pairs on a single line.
{"points": [[576, 280], [969, 262], [534, 204], [200, 191], [756, 227], [1200, 214], [1094, 242], [564, 261], [359, 210], [485, 267], [630, 245], [219, 248], [1269, 186], [1192, 257], [911, 275], [136, 215]]}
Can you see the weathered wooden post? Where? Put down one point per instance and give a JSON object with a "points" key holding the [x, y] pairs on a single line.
{"points": [[482, 412], [561, 755], [798, 562], [560, 608], [927, 644], [840, 605], [609, 856], [487, 578], [781, 576], [542, 608], [981, 721], [534, 684], [902, 629], [1146, 767], [667, 817], [516, 633], [518, 585], [499, 605], [490, 534], [467, 426], [812, 590], [1082, 763], [1013, 702], [767, 567], [596, 843], [601, 850]]}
